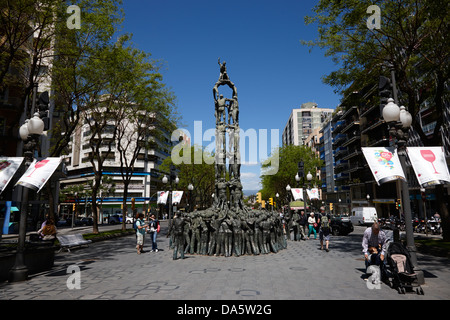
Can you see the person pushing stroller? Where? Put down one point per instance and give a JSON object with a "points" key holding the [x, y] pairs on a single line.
{"points": [[374, 245]]}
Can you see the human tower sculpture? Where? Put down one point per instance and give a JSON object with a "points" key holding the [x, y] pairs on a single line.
{"points": [[228, 227]]}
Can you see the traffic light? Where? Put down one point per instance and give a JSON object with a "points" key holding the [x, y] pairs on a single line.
{"points": [[133, 203], [271, 201], [331, 207], [263, 203], [43, 107], [398, 204], [258, 197], [73, 206]]}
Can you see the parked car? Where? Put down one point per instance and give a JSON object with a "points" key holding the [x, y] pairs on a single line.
{"points": [[341, 225], [115, 219], [87, 221]]}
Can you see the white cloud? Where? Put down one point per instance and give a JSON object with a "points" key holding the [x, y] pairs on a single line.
{"points": [[250, 181]]}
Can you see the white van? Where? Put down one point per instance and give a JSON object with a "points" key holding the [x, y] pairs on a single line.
{"points": [[363, 216]]}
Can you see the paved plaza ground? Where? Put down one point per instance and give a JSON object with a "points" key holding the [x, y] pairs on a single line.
{"points": [[112, 270]]}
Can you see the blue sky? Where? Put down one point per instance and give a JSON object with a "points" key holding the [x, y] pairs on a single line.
{"points": [[260, 42]]}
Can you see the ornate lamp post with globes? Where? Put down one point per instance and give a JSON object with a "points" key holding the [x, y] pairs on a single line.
{"points": [[399, 121], [29, 132]]}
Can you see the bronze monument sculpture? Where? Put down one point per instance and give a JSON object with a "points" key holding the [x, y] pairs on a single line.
{"points": [[228, 227]]}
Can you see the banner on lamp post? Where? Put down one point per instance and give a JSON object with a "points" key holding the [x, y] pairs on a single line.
{"points": [[8, 167], [313, 193], [162, 197], [429, 165], [384, 164], [176, 196], [297, 193], [38, 173]]}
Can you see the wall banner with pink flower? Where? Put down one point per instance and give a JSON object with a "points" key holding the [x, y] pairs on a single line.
{"points": [[429, 165], [8, 167], [38, 173], [384, 164]]}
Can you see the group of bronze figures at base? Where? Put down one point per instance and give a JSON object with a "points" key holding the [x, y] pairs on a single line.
{"points": [[220, 232]]}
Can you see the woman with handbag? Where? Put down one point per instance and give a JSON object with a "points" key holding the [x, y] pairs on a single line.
{"points": [[312, 224], [153, 230]]}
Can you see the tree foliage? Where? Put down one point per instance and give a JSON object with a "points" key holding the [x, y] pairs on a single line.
{"points": [[201, 174], [411, 41], [289, 157]]}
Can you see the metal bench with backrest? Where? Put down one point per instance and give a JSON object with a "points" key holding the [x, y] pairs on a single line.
{"points": [[68, 241]]}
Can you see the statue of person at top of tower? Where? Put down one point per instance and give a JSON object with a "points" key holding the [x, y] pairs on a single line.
{"points": [[223, 71]]}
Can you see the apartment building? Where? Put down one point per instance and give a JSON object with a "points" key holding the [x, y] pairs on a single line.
{"points": [[145, 176], [302, 122]]}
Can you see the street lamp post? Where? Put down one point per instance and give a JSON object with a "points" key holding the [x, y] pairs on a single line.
{"points": [[288, 192], [277, 196], [29, 132], [399, 122], [190, 188], [308, 178], [165, 180]]}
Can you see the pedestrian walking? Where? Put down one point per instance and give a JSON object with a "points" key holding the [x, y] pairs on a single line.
{"points": [[325, 230], [303, 222], [153, 229], [312, 224], [141, 226]]}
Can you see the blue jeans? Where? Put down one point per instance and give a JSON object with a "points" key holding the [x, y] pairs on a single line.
{"points": [[153, 238]]}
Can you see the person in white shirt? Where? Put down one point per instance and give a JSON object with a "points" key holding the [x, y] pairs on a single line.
{"points": [[311, 222]]}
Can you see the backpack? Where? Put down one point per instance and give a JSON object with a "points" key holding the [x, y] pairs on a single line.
{"points": [[325, 223]]}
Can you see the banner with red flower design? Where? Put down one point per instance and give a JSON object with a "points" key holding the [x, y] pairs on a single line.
{"points": [[384, 164]]}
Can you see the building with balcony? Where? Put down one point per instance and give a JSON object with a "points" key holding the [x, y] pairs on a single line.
{"points": [[145, 178], [302, 122]]}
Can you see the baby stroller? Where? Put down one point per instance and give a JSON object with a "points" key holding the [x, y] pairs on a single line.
{"points": [[400, 266]]}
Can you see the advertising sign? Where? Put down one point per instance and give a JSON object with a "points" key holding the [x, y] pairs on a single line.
{"points": [[429, 165], [384, 164], [8, 167], [38, 173], [297, 193], [176, 196], [162, 197], [313, 193]]}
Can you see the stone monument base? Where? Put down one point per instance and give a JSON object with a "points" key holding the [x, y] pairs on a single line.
{"points": [[225, 232]]}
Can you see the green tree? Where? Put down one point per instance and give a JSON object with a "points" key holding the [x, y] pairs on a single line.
{"points": [[200, 173], [289, 157], [411, 41], [140, 113]]}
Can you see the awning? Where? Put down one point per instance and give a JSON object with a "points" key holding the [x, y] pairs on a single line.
{"points": [[296, 205]]}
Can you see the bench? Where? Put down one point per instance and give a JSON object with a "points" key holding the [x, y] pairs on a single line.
{"points": [[71, 240]]}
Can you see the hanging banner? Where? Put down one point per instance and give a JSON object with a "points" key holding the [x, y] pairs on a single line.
{"points": [[162, 197], [38, 173], [8, 167], [313, 193], [384, 164], [429, 165], [176, 196], [297, 193]]}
